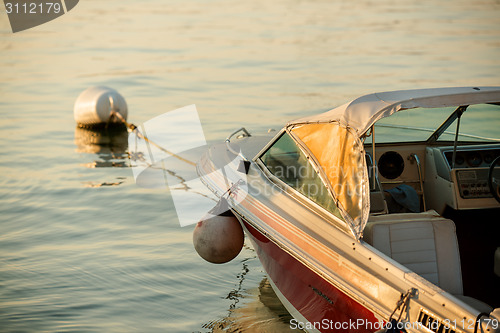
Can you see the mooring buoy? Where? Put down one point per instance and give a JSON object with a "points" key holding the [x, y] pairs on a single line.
{"points": [[98, 106]]}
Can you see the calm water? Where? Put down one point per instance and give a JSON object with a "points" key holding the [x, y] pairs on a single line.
{"points": [[82, 248]]}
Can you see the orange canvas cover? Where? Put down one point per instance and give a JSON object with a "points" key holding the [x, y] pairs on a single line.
{"points": [[339, 155]]}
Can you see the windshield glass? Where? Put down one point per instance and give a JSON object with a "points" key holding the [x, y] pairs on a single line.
{"points": [[287, 162], [479, 123]]}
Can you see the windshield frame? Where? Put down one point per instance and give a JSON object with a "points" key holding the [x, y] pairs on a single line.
{"points": [[294, 193], [444, 133]]}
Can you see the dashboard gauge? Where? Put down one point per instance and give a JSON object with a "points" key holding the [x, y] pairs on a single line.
{"points": [[474, 159], [459, 159], [488, 158]]}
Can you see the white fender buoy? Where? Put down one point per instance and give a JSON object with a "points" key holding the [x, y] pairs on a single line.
{"points": [[94, 107], [218, 238]]}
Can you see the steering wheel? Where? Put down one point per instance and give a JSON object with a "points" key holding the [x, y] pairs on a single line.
{"points": [[494, 179]]}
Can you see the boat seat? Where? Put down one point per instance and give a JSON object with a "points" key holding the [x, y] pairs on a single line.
{"points": [[427, 244]]}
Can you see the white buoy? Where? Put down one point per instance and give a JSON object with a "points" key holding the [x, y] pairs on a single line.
{"points": [[95, 106], [218, 238]]}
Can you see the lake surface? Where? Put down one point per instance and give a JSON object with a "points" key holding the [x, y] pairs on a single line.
{"points": [[82, 247]]}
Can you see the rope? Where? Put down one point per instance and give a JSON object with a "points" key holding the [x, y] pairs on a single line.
{"points": [[133, 128], [478, 321], [404, 301]]}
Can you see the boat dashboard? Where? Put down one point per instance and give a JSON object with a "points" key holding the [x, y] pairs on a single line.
{"points": [[462, 179], [472, 167], [471, 156]]}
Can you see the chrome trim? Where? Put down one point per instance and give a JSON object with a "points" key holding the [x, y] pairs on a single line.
{"points": [[241, 129], [374, 163], [269, 144], [245, 134], [393, 182]]}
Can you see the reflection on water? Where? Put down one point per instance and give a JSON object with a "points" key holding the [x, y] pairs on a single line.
{"points": [[92, 184], [112, 140], [253, 310], [110, 144], [261, 312]]}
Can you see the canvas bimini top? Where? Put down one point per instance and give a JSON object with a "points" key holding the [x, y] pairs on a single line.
{"points": [[332, 140], [363, 112]]}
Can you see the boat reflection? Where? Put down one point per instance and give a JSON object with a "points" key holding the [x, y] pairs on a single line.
{"points": [[259, 310], [109, 144]]}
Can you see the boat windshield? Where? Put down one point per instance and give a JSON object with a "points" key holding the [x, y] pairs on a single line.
{"points": [[285, 160], [479, 123], [338, 154]]}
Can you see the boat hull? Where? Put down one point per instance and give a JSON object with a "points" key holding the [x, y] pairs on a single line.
{"points": [[328, 281], [315, 304]]}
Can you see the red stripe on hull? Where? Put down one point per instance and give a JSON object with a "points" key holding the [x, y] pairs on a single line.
{"points": [[316, 299]]}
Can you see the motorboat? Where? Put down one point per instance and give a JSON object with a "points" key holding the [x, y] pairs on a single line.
{"points": [[379, 215]]}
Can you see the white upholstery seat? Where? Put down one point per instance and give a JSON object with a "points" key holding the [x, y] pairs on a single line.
{"points": [[426, 243]]}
